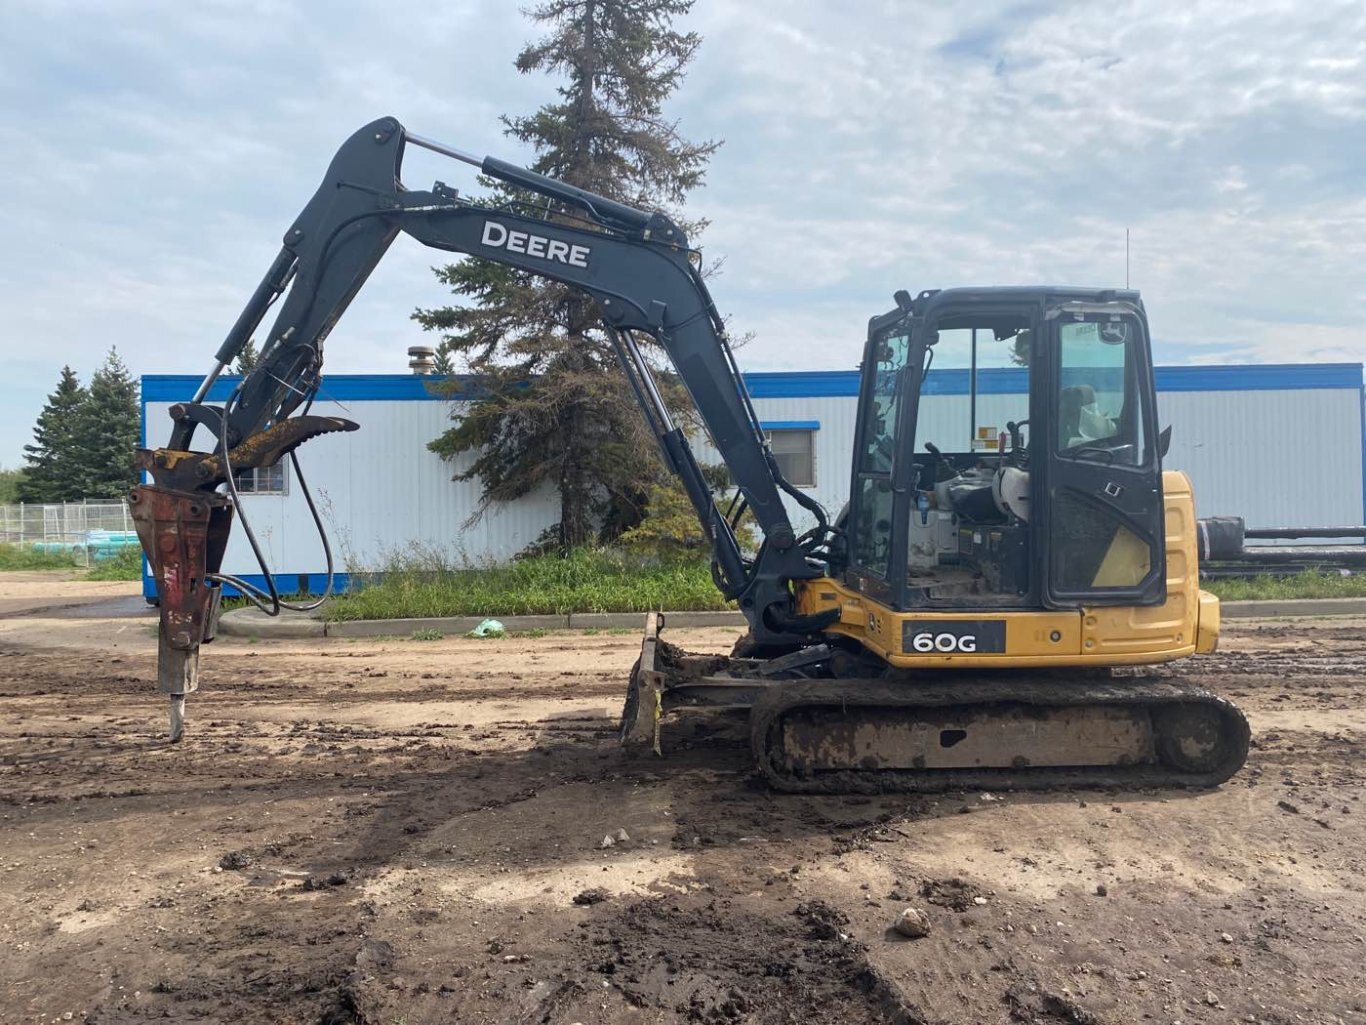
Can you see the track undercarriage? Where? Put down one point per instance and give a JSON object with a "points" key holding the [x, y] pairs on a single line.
{"points": [[823, 722]]}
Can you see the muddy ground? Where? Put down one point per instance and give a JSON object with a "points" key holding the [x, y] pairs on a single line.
{"points": [[404, 831]]}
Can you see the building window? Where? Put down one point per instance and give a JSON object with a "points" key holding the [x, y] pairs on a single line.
{"points": [[263, 480], [795, 450]]}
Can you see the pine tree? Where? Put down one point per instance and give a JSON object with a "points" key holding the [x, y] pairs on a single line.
{"points": [[107, 429], [553, 406], [247, 358], [55, 472]]}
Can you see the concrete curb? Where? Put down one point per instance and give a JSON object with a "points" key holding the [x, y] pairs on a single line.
{"points": [[1284, 608], [253, 623], [636, 620]]}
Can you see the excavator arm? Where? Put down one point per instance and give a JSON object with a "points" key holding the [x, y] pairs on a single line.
{"points": [[635, 264]]}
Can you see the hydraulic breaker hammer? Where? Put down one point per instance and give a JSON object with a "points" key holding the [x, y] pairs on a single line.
{"points": [[183, 524]]}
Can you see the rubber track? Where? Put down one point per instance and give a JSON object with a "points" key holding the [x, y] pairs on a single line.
{"points": [[767, 714]]}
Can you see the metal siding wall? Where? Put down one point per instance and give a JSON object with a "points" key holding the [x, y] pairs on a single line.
{"points": [[833, 441], [944, 419], [1277, 458], [379, 490]]}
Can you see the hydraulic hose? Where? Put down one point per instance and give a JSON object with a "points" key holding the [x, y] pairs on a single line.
{"points": [[271, 595]]}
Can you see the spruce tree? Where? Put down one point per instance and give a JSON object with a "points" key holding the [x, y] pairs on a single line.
{"points": [[552, 406], [55, 471], [247, 358], [107, 429]]}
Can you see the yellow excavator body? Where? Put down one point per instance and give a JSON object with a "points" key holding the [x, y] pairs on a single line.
{"points": [[922, 709], [1185, 624]]}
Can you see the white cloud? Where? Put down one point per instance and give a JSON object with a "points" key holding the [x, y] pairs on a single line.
{"points": [[154, 152], [1259, 342]]}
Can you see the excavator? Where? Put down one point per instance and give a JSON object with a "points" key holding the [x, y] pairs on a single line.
{"points": [[971, 618]]}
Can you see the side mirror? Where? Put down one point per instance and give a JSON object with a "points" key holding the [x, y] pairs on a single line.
{"points": [[1164, 442]]}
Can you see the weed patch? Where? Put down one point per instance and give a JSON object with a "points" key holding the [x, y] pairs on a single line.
{"points": [[420, 583], [14, 556], [125, 564], [1310, 584]]}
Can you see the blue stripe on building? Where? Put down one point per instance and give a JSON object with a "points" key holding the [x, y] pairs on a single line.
{"points": [[797, 384], [790, 425], [287, 583]]}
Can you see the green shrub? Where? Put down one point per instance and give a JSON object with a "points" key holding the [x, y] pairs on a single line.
{"points": [[671, 531], [126, 564]]}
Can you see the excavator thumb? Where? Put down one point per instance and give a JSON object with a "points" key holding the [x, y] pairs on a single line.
{"points": [[183, 525]]}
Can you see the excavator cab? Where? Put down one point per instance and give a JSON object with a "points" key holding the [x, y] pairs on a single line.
{"points": [[1010, 538], [1034, 483]]}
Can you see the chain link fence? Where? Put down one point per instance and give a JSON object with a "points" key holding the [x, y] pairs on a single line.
{"points": [[90, 531]]}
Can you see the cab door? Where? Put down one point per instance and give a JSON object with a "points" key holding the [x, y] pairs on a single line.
{"points": [[1102, 526], [887, 389]]}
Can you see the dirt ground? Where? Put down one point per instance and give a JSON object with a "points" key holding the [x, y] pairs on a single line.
{"points": [[404, 831]]}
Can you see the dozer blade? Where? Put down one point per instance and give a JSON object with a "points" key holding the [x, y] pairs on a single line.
{"points": [[643, 709], [863, 736], [666, 677]]}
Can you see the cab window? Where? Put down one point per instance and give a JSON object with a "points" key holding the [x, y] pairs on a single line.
{"points": [[884, 400], [1099, 414]]}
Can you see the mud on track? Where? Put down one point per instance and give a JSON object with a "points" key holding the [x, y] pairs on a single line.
{"points": [[407, 825]]}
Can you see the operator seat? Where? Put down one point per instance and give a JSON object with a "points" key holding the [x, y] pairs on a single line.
{"points": [[1070, 405]]}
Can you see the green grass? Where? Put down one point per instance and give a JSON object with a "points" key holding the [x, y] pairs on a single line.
{"points": [[125, 565], [237, 601], [14, 556], [1310, 584], [420, 583]]}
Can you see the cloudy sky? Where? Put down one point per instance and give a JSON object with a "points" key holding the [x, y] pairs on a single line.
{"points": [[153, 152]]}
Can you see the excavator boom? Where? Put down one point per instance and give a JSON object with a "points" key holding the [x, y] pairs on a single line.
{"points": [[636, 266]]}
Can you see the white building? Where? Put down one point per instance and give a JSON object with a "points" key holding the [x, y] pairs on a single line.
{"points": [[1281, 445]]}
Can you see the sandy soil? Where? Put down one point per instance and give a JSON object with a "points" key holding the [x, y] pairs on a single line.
{"points": [[412, 831]]}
